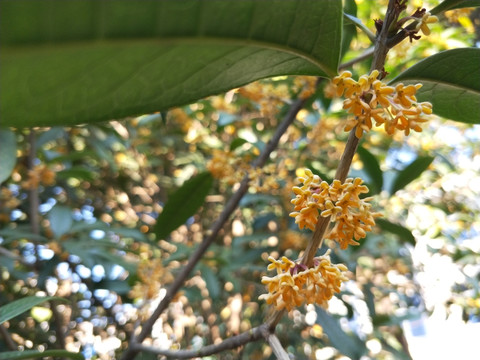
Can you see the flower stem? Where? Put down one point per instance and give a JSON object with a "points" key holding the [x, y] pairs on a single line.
{"points": [[379, 56]]}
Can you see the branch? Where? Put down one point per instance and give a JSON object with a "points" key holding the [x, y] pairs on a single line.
{"points": [[381, 46], [12, 255], [277, 348], [7, 338], [230, 207], [365, 55], [33, 193], [233, 342], [379, 56]]}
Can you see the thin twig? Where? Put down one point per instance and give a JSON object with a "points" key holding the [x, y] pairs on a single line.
{"points": [[230, 207], [276, 346], [381, 43], [33, 194], [365, 55], [233, 342], [12, 255], [379, 56], [7, 338]]}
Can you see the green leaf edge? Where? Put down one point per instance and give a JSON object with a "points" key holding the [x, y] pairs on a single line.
{"points": [[164, 226], [29, 354], [454, 4], [19, 306], [416, 168]]}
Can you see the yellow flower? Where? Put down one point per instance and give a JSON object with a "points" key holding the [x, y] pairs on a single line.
{"points": [[370, 100], [426, 19], [295, 284], [152, 276], [352, 215]]}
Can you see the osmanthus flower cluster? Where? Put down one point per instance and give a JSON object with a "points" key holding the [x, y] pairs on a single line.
{"points": [[231, 169], [295, 284], [352, 215], [370, 100]]}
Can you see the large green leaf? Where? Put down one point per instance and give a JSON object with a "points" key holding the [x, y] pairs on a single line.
{"points": [[183, 203], [34, 354], [79, 61], [411, 172], [454, 4], [8, 153], [17, 307], [451, 82]]}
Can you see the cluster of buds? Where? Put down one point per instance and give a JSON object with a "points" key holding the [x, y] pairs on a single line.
{"points": [[270, 97], [226, 167], [152, 276], [39, 175], [341, 202], [305, 86], [232, 169], [295, 284], [369, 99]]}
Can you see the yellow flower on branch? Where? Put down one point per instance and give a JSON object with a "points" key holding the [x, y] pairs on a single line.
{"points": [[370, 100], [351, 214], [295, 284], [426, 19]]}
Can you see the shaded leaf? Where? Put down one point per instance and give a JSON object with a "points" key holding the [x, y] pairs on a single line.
{"points": [[369, 298], [33, 354], [237, 142], [77, 173], [454, 94], [182, 204], [349, 29], [8, 153], [49, 135], [361, 26], [404, 234], [18, 307], [211, 280], [454, 4], [79, 61], [372, 168], [61, 220], [348, 345], [119, 286], [411, 172]]}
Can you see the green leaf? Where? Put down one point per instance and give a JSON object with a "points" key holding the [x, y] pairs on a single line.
{"points": [[454, 4], [361, 26], [17, 307], [349, 29], [403, 233], [454, 92], [8, 153], [31, 354], [211, 280], [61, 220], [121, 287], [78, 61], [77, 173], [237, 142], [369, 298], [372, 168], [182, 204], [350, 346], [411, 172]]}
